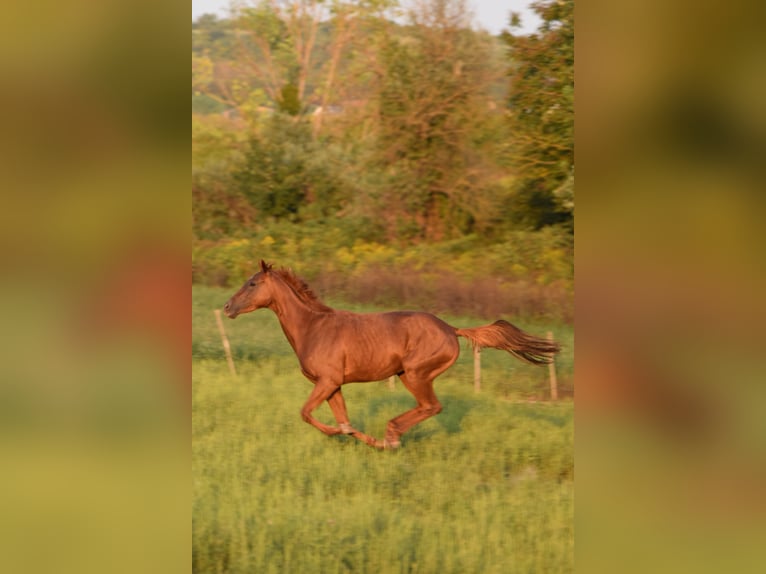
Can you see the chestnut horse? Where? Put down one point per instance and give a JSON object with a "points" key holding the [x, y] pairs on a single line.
{"points": [[338, 347]]}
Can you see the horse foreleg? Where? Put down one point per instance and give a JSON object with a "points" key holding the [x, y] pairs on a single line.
{"points": [[323, 390], [338, 406]]}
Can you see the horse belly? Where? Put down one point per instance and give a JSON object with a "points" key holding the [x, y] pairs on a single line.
{"points": [[371, 366]]}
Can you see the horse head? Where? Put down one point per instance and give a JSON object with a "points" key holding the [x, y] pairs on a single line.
{"points": [[257, 292]]}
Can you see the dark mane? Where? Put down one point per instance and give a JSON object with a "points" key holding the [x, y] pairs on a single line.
{"points": [[302, 290]]}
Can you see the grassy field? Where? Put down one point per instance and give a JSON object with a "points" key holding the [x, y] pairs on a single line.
{"points": [[486, 486]]}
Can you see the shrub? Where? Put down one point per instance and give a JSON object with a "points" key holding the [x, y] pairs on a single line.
{"points": [[527, 275]]}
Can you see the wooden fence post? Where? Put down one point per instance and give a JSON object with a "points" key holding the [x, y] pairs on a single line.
{"points": [[552, 374], [477, 368], [226, 347]]}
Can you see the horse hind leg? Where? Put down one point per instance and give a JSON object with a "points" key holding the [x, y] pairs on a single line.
{"points": [[428, 406], [418, 378]]}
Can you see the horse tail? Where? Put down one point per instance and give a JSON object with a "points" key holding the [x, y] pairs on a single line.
{"points": [[502, 335]]}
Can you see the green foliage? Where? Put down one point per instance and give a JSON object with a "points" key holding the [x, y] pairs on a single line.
{"points": [[273, 176], [289, 102], [216, 148], [264, 23], [543, 257], [528, 274], [410, 166], [288, 175], [541, 106], [203, 104], [413, 114], [431, 106], [213, 36], [217, 151]]}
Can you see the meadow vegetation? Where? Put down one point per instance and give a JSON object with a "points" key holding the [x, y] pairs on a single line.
{"points": [[486, 486], [528, 275]]}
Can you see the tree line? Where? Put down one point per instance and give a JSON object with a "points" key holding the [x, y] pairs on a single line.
{"points": [[408, 124]]}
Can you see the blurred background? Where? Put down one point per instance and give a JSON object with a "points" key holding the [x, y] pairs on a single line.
{"points": [[94, 288], [391, 153], [447, 158], [670, 131]]}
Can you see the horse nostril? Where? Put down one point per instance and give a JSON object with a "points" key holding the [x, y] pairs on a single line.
{"points": [[226, 307]]}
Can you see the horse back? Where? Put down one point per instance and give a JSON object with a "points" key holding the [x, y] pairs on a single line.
{"points": [[374, 346]]}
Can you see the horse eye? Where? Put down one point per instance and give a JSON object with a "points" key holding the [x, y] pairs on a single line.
{"points": [[252, 284]]}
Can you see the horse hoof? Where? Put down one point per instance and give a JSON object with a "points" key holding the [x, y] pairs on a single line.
{"points": [[346, 428], [385, 444]]}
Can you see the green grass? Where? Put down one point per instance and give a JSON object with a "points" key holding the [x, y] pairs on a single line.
{"points": [[486, 486]]}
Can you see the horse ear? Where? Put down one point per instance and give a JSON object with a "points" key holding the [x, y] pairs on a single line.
{"points": [[265, 267]]}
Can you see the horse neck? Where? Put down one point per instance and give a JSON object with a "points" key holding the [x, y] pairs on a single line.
{"points": [[294, 315]]}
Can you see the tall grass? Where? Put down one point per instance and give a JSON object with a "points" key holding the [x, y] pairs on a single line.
{"points": [[486, 486]]}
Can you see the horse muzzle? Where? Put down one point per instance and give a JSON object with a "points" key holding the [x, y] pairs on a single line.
{"points": [[230, 312]]}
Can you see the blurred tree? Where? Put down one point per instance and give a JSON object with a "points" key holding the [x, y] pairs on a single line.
{"points": [[287, 175], [212, 36], [289, 102], [273, 175], [432, 100], [541, 116], [350, 113], [298, 45], [218, 209]]}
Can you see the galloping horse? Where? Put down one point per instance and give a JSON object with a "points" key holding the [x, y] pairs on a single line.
{"points": [[338, 347]]}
